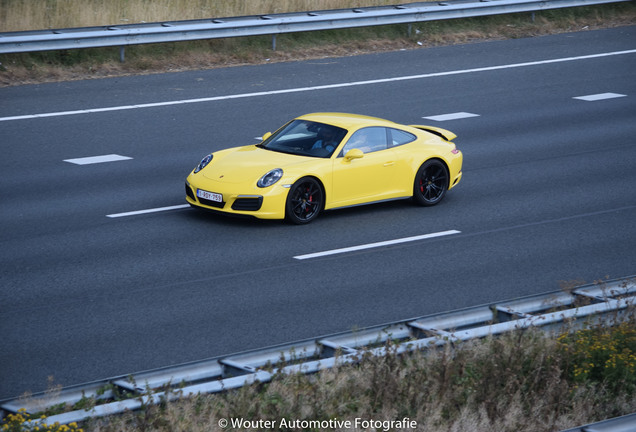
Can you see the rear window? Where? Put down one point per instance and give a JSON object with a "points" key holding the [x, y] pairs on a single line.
{"points": [[400, 137]]}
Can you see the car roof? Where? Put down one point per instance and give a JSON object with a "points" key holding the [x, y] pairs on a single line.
{"points": [[347, 121]]}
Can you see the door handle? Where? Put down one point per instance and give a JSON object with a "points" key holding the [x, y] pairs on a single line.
{"points": [[388, 164]]}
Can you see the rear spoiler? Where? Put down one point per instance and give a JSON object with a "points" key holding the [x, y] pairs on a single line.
{"points": [[442, 133]]}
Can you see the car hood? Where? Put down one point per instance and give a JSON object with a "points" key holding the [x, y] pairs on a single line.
{"points": [[248, 163]]}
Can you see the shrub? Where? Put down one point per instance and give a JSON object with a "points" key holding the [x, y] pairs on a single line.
{"points": [[603, 355]]}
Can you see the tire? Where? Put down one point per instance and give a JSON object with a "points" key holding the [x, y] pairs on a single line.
{"points": [[431, 183], [305, 201]]}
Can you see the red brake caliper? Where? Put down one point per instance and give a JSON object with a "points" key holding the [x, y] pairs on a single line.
{"points": [[311, 198]]}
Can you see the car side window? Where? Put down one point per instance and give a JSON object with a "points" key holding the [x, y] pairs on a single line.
{"points": [[368, 140], [400, 137]]}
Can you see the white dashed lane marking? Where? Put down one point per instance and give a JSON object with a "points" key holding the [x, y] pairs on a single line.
{"points": [[152, 210], [600, 96], [376, 245], [97, 159]]}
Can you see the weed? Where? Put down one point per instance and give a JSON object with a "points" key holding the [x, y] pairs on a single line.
{"points": [[23, 422], [600, 355]]}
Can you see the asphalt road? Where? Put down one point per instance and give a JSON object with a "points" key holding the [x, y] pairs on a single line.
{"points": [[548, 195]]}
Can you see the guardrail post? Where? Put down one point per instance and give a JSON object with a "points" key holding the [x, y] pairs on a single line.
{"points": [[273, 42], [122, 54]]}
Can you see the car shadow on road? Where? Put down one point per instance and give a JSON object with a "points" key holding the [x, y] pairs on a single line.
{"points": [[357, 214]]}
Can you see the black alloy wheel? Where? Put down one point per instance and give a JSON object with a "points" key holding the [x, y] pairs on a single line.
{"points": [[431, 183], [305, 201]]}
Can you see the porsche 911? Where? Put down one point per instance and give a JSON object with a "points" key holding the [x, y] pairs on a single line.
{"points": [[326, 161]]}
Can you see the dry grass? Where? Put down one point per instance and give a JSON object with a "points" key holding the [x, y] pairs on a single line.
{"points": [[523, 381], [17, 69], [526, 380], [17, 15]]}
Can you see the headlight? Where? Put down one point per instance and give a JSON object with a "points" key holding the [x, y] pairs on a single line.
{"points": [[270, 178], [204, 162]]}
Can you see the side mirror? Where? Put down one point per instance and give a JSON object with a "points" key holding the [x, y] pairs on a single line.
{"points": [[354, 154], [267, 135]]}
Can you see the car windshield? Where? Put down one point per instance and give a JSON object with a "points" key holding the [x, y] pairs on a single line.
{"points": [[305, 138]]}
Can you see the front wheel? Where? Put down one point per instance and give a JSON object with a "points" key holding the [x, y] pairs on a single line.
{"points": [[431, 183], [304, 201]]}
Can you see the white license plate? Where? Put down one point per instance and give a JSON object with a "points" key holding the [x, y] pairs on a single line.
{"points": [[211, 196]]}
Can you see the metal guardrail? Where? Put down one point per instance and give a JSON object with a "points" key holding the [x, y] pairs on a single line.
{"points": [[179, 31], [548, 311], [625, 423], [555, 311]]}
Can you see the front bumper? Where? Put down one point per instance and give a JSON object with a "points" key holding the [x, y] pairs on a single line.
{"points": [[268, 205]]}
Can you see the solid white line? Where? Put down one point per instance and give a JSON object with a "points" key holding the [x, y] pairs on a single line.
{"points": [[154, 210], [376, 245], [323, 87], [97, 159], [600, 96], [451, 116]]}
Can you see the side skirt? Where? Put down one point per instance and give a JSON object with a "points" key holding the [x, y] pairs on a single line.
{"points": [[370, 202]]}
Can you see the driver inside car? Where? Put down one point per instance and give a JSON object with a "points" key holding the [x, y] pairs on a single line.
{"points": [[326, 140]]}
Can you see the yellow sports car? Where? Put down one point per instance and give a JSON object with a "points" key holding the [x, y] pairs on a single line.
{"points": [[326, 161]]}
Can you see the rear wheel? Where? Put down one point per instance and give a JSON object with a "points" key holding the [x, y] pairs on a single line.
{"points": [[431, 183], [304, 201]]}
